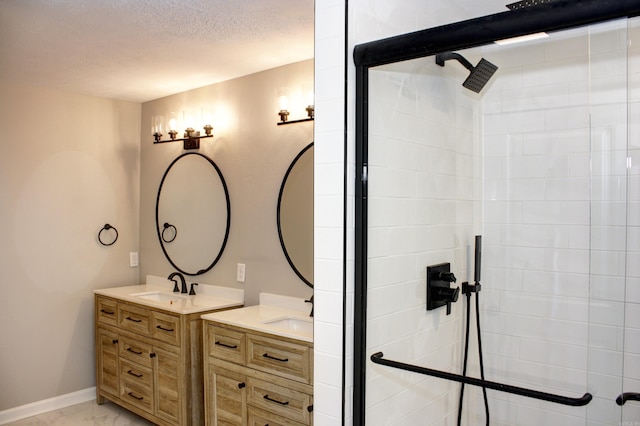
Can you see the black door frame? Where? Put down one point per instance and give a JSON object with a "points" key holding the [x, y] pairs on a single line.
{"points": [[548, 17]]}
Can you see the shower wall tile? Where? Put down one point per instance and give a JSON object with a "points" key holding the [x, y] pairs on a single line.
{"points": [[569, 332], [557, 212], [606, 337], [564, 260], [557, 354], [605, 361], [553, 283], [607, 287], [606, 312], [568, 141]]}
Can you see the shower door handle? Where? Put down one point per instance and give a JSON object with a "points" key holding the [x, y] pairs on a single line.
{"points": [[627, 396]]}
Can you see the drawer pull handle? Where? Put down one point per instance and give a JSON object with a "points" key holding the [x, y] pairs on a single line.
{"points": [[164, 329], [275, 400], [226, 346], [132, 395], [134, 374], [107, 312], [152, 355], [134, 320], [241, 385], [276, 358], [114, 341], [134, 351], [310, 408]]}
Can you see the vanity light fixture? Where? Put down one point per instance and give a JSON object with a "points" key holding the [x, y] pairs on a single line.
{"points": [[191, 137], [283, 101]]}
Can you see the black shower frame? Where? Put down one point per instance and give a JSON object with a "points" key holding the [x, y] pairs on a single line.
{"points": [[548, 17]]}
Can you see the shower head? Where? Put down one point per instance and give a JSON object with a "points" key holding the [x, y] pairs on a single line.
{"points": [[479, 75]]}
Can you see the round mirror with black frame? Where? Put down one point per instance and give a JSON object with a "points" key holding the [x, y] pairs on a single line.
{"points": [[193, 200], [295, 215]]}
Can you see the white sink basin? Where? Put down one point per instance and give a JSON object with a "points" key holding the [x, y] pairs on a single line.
{"points": [[158, 296], [303, 325]]}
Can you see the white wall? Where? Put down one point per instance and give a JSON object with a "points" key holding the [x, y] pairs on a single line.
{"points": [[328, 215], [69, 164]]}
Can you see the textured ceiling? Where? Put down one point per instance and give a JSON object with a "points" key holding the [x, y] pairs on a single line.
{"points": [[139, 50]]}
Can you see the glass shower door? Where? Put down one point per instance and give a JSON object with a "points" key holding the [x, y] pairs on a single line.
{"points": [[544, 163], [631, 296]]}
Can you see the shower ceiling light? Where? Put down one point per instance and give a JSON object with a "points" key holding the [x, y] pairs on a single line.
{"points": [[521, 39]]}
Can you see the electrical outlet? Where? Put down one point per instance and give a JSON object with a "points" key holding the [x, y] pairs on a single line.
{"points": [[240, 273], [133, 259]]}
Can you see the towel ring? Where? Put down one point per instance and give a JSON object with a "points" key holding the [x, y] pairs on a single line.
{"points": [[166, 227], [107, 227]]}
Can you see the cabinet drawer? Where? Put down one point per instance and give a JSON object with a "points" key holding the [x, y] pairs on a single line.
{"points": [[137, 352], [259, 417], [226, 344], [280, 400], [279, 357], [107, 310], [136, 373], [134, 319], [136, 393], [165, 327]]}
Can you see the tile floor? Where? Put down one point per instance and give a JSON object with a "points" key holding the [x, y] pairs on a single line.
{"points": [[85, 414]]}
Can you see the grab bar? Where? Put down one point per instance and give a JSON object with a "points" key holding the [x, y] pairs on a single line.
{"points": [[377, 358], [627, 396]]}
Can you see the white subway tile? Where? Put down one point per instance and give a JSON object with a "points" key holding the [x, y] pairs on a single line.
{"points": [[557, 212], [605, 312], [564, 260]]}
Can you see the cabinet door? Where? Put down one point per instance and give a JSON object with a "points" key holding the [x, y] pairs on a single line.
{"points": [[227, 399], [107, 361], [168, 372]]}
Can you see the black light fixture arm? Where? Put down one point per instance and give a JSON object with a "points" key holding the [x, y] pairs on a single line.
{"points": [[190, 142], [377, 358]]}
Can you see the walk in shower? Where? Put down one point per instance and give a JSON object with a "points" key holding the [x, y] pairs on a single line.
{"points": [[542, 161]]}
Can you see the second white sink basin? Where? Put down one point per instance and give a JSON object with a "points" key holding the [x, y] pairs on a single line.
{"points": [[293, 324]]}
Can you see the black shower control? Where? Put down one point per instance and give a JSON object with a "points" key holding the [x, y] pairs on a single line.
{"points": [[439, 291]]}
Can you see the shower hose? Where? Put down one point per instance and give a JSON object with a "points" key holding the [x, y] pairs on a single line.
{"points": [[468, 292]]}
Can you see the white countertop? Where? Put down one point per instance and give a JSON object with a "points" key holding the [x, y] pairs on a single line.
{"points": [[207, 298], [260, 317]]}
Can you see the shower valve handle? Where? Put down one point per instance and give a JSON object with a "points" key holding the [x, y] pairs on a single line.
{"points": [[446, 276]]}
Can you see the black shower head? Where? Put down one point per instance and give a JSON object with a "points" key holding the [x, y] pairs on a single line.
{"points": [[479, 75]]}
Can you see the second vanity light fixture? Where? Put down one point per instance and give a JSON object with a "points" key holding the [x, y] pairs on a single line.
{"points": [[172, 123], [284, 94]]}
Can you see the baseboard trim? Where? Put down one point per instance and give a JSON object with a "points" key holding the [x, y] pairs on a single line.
{"points": [[39, 407]]}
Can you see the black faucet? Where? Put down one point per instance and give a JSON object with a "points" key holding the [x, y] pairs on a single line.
{"points": [[312, 305], [182, 280]]}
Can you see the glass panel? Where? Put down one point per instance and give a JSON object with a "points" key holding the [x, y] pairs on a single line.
{"points": [[536, 163], [631, 361]]}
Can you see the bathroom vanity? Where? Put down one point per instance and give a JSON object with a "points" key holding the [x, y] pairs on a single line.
{"points": [[149, 349], [258, 366]]}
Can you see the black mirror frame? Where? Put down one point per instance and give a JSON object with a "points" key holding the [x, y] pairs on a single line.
{"points": [[228, 224], [282, 244]]}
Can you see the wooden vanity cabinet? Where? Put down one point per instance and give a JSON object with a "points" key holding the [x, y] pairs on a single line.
{"points": [[254, 378], [149, 361]]}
